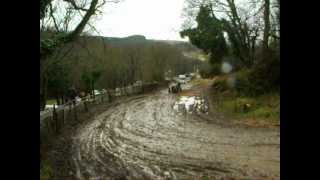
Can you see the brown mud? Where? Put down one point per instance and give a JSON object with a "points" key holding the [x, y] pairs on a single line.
{"points": [[144, 138]]}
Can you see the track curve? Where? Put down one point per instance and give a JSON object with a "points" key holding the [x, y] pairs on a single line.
{"points": [[145, 138]]}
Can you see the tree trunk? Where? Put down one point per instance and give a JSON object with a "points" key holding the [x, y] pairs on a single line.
{"points": [[44, 53], [266, 31], [92, 90], [58, 100], [84, 20], [43, 92], [43, 6]]}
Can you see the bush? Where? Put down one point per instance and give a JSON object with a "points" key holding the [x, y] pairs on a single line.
{"points": [[266, 74], [220, 85], [244, 85], [265, 107], [215, 69], [262, 78], [207, 70], [46, 171]]}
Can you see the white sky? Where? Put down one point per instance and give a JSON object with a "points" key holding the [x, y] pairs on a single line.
{"points": [[155, 19]]}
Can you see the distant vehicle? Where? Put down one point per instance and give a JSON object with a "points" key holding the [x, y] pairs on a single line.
{"points": [[182, 76], [96, 92], [103, 91], [50, 106], [174, 87], [78, 99], [167, 78], [138, 83], [192, 75], [181, 79]]}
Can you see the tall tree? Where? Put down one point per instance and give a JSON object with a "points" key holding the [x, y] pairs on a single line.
{"points": [[49, 46], [208, 35], [266, 31]]}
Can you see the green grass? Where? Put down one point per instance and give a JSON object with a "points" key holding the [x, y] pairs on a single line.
{"points": [[264, 107], [46, 171], [240, 104], [51, 101]]}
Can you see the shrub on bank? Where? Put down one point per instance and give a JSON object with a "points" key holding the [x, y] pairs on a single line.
{"points": [[245, 85], [266, 107], [220, 85], [246, 99], [46, 171]]}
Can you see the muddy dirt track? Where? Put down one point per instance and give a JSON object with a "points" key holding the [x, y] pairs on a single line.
{"points": [[144, 138]]}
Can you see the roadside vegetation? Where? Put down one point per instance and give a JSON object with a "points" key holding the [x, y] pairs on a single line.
{"points": [[242, 42], [46, 172], [70, 57], [51, 101], [259, 110]]}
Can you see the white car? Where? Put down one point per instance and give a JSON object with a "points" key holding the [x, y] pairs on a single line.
{"points": [[103, 91], [182, 81], [50, 107], [96, 92], [78, 99], [182, 76]]}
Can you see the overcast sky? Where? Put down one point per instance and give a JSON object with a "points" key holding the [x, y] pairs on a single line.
{"points": [[155, 19]]}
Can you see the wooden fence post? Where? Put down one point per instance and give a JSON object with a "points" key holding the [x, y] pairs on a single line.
{"points": [[48, 124], [235, 105], [75, 112], [69, 107], [110, 96], [85, 105], [220, 95], [63, 116], [55, 117]]}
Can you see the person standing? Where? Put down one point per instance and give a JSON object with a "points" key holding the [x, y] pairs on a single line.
{"points": [[179, 87], [72, 95]]}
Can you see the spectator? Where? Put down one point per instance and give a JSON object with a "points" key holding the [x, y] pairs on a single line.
{"points": [[72, 95], [179, 87]]}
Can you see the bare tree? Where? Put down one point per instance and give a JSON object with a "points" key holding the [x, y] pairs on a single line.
{"points": [[266, 31], [60, 14], [246, 23]]}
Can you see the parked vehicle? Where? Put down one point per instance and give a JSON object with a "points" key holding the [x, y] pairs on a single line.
{"points": [[182, 76], [182, 79], [96, 92], [174, 87], [103, 91]]}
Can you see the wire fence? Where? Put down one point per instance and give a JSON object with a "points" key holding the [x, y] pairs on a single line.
{"points": [[53, 120]]}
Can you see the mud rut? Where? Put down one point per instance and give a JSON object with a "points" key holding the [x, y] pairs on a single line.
{"points": [[146, 139]]}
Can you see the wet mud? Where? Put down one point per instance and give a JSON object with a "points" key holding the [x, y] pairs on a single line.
{"points": [[146, 138]]}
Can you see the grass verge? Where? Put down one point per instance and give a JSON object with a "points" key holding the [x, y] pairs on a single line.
{"points": [[263, 110], [51, 101], [46, 172]]}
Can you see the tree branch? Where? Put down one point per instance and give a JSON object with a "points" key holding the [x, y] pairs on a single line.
{"points": [[75, 6], [84, 20], [53, 18]]}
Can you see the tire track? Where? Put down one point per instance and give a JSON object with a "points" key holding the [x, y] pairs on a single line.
{"points": [[145, 139]]}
